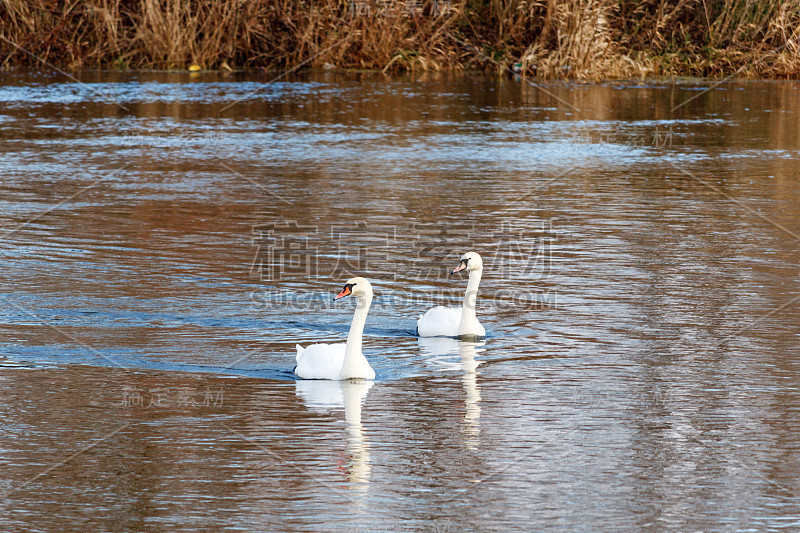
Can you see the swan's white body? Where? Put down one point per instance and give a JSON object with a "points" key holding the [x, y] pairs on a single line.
{"points": [[340, 361], [457, 321]]}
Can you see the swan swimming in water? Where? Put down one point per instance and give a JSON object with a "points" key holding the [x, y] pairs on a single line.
{"points": [[457, 321], [340, 361]]}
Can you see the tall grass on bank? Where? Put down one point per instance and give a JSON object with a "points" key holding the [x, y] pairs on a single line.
{"points": [[587, 39]]}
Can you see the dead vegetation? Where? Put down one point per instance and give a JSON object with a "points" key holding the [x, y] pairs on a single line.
{"points": [[583, 39]]}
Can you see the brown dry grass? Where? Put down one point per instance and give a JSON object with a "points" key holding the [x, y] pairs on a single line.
{"points": [[587, 39]]}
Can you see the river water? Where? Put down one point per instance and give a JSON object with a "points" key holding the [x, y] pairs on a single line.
{"points": [[169, 238]]}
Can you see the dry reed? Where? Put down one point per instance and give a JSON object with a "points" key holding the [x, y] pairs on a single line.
{"points": [[587, 39]]}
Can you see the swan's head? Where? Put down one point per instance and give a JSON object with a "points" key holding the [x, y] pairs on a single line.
{"points": [[469, 261], [356, 286]]}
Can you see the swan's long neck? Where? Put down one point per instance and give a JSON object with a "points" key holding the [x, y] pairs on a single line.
{"points": [[469, 322], [352, 351]]}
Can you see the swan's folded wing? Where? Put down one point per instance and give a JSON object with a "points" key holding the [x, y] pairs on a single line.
{"points": [[320, 361], [439, 322]]}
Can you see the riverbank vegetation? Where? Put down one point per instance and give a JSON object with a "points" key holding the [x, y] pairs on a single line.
{"points": [[548, 39]]}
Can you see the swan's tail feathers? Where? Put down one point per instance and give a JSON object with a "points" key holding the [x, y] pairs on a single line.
{"points": [[299, 349]]}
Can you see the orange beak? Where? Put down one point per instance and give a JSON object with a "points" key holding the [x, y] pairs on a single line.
{"points": [[345, 291], [461, 266]]}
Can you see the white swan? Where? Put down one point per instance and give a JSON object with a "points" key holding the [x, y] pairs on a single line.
{"points": [[340, 361], [456, 321]]}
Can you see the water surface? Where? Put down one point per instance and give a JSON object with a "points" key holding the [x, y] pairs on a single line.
{"points": [[169, 238]]}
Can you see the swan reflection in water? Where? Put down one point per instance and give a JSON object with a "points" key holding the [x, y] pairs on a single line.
{"points": [[325, 395], [454, 355]]}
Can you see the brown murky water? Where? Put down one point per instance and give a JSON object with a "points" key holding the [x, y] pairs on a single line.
{"points": [[168, 239]]}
